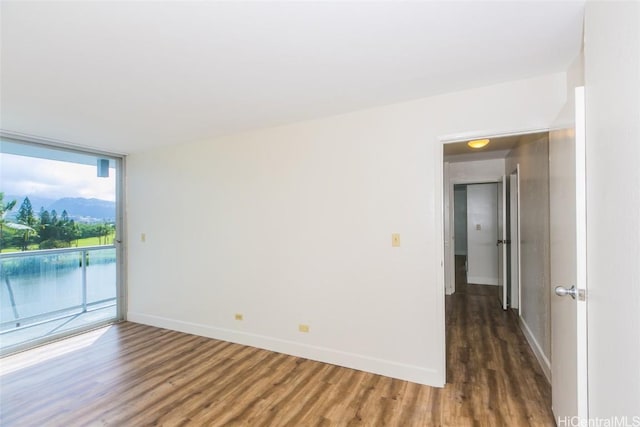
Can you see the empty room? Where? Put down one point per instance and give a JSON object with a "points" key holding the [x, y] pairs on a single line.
{"points": [[223, 213]]}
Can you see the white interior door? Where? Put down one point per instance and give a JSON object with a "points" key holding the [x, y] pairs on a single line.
{"points": [[482, 231], [502, 242], [568, 267]]}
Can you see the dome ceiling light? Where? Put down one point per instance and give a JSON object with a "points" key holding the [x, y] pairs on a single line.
{"points": [[478, 143]]}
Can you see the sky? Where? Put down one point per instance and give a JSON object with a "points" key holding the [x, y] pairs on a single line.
{"points": [[53, 179]]}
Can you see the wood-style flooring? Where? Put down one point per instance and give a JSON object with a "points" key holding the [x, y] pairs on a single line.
{"points": [[135, 375]]}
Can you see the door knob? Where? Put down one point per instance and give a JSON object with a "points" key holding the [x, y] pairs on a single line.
{"points": [[561, 291]]}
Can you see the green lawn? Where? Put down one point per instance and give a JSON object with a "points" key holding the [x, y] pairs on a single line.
{"points": [[92, 241], [88, 241], [12, 249]]}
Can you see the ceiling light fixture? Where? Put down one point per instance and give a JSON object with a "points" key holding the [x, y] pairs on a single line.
{"points": [[478, 143]]}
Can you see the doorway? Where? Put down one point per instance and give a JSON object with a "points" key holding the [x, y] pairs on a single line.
{"points": [[520, 163], [483, 340], [475, 233]]}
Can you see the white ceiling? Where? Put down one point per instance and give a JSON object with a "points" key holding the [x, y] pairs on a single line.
{"points": [[128, 76]]}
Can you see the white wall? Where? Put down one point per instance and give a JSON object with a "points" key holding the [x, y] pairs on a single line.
{"points": [[482, 233], [476, 171], [612, 84], [460, 220], [293, 225]]}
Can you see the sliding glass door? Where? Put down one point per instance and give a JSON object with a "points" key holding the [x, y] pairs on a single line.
{"points": [[60, 233]]}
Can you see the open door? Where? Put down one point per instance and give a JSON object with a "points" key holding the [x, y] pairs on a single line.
{"points": [[502, 243], [568, 267]]}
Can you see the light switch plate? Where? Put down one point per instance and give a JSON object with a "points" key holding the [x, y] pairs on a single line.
{"points": [[395, 239]]}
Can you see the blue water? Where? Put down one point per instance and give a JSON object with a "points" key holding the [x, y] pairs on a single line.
{"points": [[45, 283]]}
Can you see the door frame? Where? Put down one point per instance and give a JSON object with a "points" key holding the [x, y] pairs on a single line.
{"points": [[515, 243], [442, 219], [503, 249]]}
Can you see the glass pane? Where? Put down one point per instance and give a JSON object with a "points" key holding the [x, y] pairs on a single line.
{"points": [[101, 276], [40, 284], [58, 261]]}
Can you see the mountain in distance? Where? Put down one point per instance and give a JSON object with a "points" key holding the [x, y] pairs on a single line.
{"points": [[85, 210], [36, 202], [79, 209]]}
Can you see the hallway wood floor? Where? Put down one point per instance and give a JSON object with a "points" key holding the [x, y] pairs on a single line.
{"points": [[135, 375]]}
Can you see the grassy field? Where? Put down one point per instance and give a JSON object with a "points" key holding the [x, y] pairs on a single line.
{"points": [[88, 241]]}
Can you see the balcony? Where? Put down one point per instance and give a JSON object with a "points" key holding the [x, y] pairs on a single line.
{"points": [[46, 293]]}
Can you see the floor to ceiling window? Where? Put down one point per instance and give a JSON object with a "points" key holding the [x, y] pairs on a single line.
{"points": [[60, 252]]}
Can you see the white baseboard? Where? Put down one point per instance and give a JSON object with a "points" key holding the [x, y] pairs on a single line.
{"points": [[416, 374], [537, 350], [477, 280]]}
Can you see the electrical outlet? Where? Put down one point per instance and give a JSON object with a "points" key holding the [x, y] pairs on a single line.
{"points": [[478, 227], [239, 316], [303, 328]]}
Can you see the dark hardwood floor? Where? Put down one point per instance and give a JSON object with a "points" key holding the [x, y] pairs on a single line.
{"points": [[135, 375]]}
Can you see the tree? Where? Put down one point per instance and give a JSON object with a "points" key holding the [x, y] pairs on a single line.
{"points": [[4, 209], [45, 218], [45, 224], [25, 213], [69, 231], [102, 232], [56, 232], [26, 218]]}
